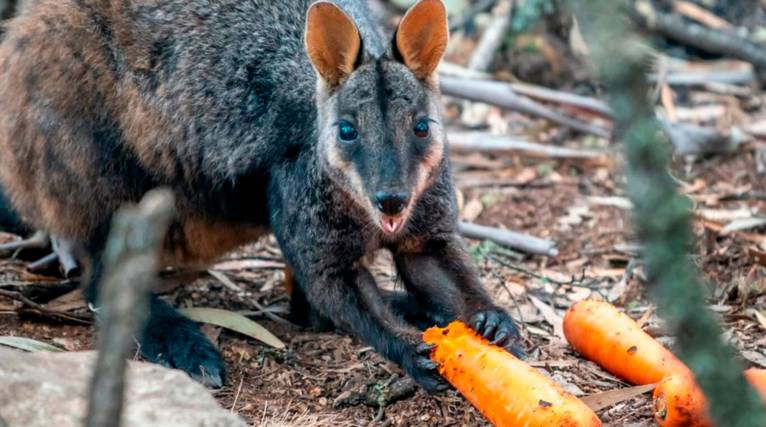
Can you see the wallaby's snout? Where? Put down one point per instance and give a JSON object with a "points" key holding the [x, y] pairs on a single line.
{"points": [[391, 203]]}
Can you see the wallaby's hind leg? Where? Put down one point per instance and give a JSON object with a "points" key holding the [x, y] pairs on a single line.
{"points": [[171, 339]]}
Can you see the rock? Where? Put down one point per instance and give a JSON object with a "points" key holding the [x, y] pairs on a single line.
{"points": [[50, 389]]}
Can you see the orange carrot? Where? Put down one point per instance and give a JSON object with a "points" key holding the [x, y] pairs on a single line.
{"points": [[757, 379], [679, 402], [506, 390], [601, 333]]}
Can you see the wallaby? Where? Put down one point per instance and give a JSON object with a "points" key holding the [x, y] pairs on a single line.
{"points": [[261, 115]]}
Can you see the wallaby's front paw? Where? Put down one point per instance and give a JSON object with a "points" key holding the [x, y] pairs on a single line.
{"points": [[183, 346], [497, 326], [423, 370]]}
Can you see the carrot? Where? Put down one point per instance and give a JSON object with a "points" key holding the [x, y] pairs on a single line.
{"points": [[506, 390], [679, 402], [601, 333], [757, 379]]}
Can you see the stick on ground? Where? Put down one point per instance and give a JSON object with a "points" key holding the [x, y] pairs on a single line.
{"points": [[486, 142], [511, 239], [501, 95]]}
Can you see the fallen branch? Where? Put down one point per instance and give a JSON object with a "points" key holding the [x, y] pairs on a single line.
{"points": [[39, 240], [699, 78], [688, 139], [558, 97], [511, 239], [486, 142], [503, 96], [710, 40], [131, 263]]}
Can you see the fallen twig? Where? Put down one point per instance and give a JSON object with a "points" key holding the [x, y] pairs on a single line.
{"points": [[556, 96], [64, 250], [698, 78], [39, 240], [131, 266], [502, 95], [522, 242], [486, 142]]}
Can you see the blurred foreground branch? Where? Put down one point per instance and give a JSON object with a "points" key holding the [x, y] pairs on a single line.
{"points": [[662, 217], [131, 263]]}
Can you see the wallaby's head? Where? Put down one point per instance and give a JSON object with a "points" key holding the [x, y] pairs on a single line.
{"points": [[380, 130]]}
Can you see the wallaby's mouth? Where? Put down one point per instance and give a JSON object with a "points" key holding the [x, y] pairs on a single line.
{"points": [[392, 224]]}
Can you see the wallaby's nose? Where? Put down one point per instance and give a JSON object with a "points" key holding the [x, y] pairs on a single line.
{"points": [[391, 203]]}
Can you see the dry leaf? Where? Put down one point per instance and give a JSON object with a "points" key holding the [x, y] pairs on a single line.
{"points": [[605, 399], [760, 317], [550, 316], [233, 321], [225, 281], [755, 357], [70, 301], [28, 344]]}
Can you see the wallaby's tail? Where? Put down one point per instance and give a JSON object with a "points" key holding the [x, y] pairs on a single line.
{"points": [[9, 220]]}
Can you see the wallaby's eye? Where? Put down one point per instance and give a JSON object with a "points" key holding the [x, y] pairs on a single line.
{"points": [[421, 129], [347, 132]]}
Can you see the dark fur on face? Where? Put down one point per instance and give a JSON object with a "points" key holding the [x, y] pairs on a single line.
{"points": [[384, 101]]}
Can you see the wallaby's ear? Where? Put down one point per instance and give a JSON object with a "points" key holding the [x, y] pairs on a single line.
{"points": [[332, 41], [422, 37]]}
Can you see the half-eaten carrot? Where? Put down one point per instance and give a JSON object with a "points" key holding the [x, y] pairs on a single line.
{"points": [[506, 390], [679, 402], [601, 333]]}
